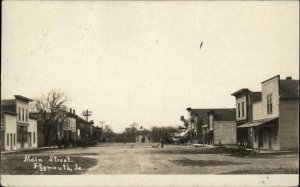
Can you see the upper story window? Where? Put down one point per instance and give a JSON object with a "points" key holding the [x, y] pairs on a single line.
{"points": [[211, 122], [19, 114], [239, 109], [26, 115], [22, 114], [243, 110], [269, 104]]}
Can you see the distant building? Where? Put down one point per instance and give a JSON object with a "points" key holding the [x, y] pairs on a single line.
{"points": [[275, 123], [195, 123], [244, 113], [143, 135], [219, 127], [97, 133], [68, 131], [18, 128]]}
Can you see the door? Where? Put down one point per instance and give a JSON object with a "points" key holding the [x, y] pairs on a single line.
{"points": [[260, 138], [11, 143], [29, 139], [270, 139]]}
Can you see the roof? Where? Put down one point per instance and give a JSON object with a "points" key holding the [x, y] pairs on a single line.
{"points": [[71, 115], [277, 76], [33, 116], [202, 111], [22, 98], [255, 96], [8, 112], [8, 102], [240, 91], [289, 88], [255, 123], [224, 115]]}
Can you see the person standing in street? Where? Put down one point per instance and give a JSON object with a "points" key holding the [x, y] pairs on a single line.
{"points": [[162, 143]]}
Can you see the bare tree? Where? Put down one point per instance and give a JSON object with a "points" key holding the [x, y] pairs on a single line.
{"points": [[51, 112]]}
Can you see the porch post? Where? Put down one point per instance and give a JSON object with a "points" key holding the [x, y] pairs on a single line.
{"points": [[258, 139], [252, 139]]}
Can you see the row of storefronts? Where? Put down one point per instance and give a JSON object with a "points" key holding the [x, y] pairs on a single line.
{"points": [[268, 119], [21, 129]]}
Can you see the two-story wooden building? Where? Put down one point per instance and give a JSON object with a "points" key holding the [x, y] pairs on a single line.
{"points": [[275, 121], [244, 113], [18, 128]]}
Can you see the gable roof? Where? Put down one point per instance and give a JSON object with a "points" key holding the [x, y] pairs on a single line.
{"points": [[289, 88]]}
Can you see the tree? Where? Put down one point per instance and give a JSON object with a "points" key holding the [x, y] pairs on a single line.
{"points": [[108, 133], [51, 112], [130, 132], [158, 133]]}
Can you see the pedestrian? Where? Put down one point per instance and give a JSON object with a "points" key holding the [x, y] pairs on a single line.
{"points": [[162, 143]]}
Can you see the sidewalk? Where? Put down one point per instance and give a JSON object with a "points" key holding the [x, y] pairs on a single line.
{"points": [[29, 149], [266, 151]]}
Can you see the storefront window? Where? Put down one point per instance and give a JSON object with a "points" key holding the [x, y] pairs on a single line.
{"points": [[22, 134]]}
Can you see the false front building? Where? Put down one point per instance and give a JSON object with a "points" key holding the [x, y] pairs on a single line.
{"points": [[211, 125], [18, 128], [275, 121]]}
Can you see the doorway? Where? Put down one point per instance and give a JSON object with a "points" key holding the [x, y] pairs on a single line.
{"points": [[11, 145], [29, 139]]}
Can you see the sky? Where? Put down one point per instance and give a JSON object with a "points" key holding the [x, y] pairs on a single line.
{"points": [[141, 61]]}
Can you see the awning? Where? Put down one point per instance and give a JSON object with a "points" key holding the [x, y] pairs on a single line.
{"points": [[257, 123], [184, 133]]}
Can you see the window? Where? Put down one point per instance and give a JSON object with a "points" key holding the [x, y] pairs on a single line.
{"points": [[239, 113], [268, 111], [269, 104], [19, 114], [34, 137], [243, 112], [22, 114], [7, 139], [14, 138], [22, 134], [26, 115]]}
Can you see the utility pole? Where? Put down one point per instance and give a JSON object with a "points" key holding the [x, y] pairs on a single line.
{"points": [[87, 113]]}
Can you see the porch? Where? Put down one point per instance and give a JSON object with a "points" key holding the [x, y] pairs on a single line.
{"points": [[262, 134]]}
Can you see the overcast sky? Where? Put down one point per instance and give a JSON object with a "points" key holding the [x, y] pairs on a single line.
{"points": [[141, 61]]}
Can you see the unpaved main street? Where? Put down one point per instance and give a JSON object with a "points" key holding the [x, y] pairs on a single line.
{"points": [[172, 159]]}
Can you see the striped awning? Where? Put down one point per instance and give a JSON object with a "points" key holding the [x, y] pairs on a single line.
{"points": [[257, 122]]}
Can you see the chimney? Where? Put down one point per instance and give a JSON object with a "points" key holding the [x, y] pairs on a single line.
{"points": [[70, 110], [181, 118], [289, 78], [73, 111]]}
